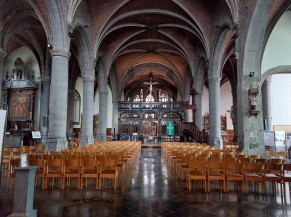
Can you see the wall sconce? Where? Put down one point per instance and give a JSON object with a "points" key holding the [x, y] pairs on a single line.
{"points": [[70, 34], [235, 36], [49, 46], [251, 74]]}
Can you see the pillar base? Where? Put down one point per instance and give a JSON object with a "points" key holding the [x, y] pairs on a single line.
{"points": [[56, 144], [102, 137], [260, 150], [216, 142], [32, 213], [86, 140]]}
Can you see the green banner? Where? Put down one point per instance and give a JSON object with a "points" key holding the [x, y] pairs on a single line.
{"points": [[170, 129]]}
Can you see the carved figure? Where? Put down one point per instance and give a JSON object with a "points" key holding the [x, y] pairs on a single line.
{"points": [[95, 123]]}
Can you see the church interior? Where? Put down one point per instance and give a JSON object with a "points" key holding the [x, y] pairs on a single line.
{"points": [[127, 107]]}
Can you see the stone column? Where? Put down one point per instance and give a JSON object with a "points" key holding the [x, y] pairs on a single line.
{"points": [[267, 102], [87, 118], [233, 115], [214, 112], [58, 100], [44, 107], [198, 113], [70, 112], [2, 56], [103, 92]]}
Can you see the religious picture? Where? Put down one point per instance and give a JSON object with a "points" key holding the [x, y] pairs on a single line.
{"points": [[20, 108]]}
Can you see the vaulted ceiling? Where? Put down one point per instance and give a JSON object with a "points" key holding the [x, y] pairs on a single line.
{"points": [[165, 38]]}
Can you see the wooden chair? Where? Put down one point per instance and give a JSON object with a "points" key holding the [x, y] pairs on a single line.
{"points": [[90, 169], [108, 170], [40, 172], [234, 172], [16, 152], [40, 149], [25, 150], [273, 174], [216, 172], [13, 164], [254, 172], [277, 160], [7, 156], [197, 172], [54, 169], [286, 177], [72, 169]]}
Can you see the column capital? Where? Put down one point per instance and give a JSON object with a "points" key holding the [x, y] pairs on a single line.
{"points": [[60, 52], [212, 80], [45, 79], [89, 79]]}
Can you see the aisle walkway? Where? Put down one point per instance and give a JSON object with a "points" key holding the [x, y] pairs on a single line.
{"points": [[149, 191]]}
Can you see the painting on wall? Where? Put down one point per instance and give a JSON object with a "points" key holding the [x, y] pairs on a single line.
{"points": [[20, 107]]}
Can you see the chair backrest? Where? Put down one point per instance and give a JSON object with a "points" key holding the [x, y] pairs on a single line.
{"points": [[234, 167], [198, 165], [90, 164], [253, 167], [273, 168], [13, 164], [55, 164], [216, 166], [107, 164], [37, 162], [72, 164]]}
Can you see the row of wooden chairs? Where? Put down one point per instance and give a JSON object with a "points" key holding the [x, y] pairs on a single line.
{"points": [[242, 173], [16, 152], [182, 158], [80, 164]]}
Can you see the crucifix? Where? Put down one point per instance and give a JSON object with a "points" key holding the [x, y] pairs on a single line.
{"points": [[151, 84]]}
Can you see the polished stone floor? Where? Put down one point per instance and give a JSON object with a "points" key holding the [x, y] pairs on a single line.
{"points": [[149, 190]]}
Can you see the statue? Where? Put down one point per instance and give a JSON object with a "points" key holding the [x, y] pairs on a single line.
{"points": [[95, 124]]}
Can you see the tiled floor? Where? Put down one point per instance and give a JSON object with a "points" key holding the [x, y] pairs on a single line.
{"points": [[149, 190]]}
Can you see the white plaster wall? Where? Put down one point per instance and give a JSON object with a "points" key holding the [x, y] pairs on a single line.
{"points": [[32, 68], [109, 106], [79, 88], [278, 48], [96, 103], [277, 52], [205, 101], [226, 103], [30, 61], [281, 99]]}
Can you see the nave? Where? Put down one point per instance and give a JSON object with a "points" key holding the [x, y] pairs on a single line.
{"points": [[148, 189]]}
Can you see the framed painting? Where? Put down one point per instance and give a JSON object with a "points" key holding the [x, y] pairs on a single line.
{"points": [[20, 107]]}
